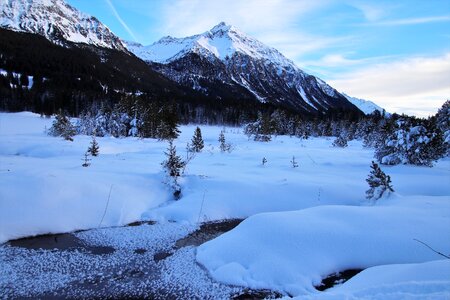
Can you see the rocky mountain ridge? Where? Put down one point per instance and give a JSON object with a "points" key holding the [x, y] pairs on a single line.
{"points": [[58, 22], [227, 56]]}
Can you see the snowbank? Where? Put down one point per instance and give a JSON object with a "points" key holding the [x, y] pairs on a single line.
{"points": [[293, 251], [44, 188], [429, 280]]}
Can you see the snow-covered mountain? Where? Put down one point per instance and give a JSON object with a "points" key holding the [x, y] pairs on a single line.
{"points": [[56, 21], [366, 106], [226, 56]]}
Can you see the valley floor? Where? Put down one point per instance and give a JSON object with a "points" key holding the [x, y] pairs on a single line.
{"points": [[301, 225]]}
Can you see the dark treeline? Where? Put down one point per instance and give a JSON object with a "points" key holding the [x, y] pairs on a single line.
{"points": [[37, 75]]}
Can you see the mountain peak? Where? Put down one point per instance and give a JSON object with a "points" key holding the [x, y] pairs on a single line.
{"points": [[226, 56], [57, 21], [222, 27]]}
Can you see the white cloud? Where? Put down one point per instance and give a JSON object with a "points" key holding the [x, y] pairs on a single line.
{"points": [[414, 85], [121, 21], [336, 60], [187, 17], [413, 21], [371, 11]]}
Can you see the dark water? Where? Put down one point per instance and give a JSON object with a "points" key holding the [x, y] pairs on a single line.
{"points": [[59, 242], [106, 271], [337, 278], [68, 266]]}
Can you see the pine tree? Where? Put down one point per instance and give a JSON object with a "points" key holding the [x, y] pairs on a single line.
{"points": [[24, 80], [173, 166], [168, 126], [378, 182], [94, 147], [174, 163], [224, 146], [294, 162], [262, 128], [86, 160], [413, 141], [197, 143], [443, 123], [340, 141], [62, 127]]}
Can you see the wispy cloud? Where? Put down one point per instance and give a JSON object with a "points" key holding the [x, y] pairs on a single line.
{"points": [[338, 60], [371, 12], [412, 21], [416, 85], [187, 17], [121, 21]]}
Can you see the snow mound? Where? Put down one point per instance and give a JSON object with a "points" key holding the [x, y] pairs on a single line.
{"points": [[293, 251], [429, 280]]}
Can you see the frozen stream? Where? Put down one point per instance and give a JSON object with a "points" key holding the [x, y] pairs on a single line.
{"points": [[145, 261]]}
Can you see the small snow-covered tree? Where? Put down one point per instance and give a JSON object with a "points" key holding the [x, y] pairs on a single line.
{"points": [[86, 160], [62, 127], [294, 163], [224, 146], [378, 182], [262, 129], [415, 143], [443, 123], [94, 147], [340, 141], [173, 166], [197, 143]]}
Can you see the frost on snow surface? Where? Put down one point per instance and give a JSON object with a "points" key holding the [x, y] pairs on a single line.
{"points": [[131, 270], [302, 224]]}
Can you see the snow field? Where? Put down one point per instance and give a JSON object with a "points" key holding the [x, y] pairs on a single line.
{"points": [[303, 223]]}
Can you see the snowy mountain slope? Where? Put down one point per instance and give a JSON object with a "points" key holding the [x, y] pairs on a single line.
{"points": [[228, 55], [365, 106], [222, 41], [56, 21]]}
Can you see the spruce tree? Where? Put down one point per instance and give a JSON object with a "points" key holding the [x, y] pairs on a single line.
{"points": [[413, 141], [378, 182], [443, 123], [173, 166], [340, 141], [168, 126], [294, 162], [223, 144], [94, 147], [62, 127], [86, 160], [197, 143]]}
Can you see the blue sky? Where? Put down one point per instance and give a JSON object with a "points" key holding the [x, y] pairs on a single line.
{"points": [[395, 53]]}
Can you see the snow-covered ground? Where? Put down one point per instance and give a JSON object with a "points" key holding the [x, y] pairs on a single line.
{"points": [[303, 223]]}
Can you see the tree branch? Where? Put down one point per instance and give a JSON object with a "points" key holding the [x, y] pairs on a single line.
{"points": [[437, 252]]}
